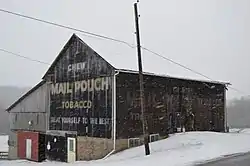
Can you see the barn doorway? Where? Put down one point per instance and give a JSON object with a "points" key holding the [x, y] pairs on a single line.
{"points": [[71, 149], [28, 148]]}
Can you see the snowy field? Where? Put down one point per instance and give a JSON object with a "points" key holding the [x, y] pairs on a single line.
{"points": [[235, 130], [178, 150]]}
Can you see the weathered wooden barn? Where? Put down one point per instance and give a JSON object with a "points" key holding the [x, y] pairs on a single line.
{"points": [[92, 108], [28, 121]]}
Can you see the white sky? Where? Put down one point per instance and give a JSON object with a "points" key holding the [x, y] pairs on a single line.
{"points": [[209, 36]]}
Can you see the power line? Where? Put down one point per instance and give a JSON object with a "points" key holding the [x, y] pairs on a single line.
{"points": [[97, 36], [168, 59], [25, 57], [46, 63], [67, 27], [187, 68]]}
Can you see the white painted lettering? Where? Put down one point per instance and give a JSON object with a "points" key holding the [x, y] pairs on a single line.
{"points": [[69, 68], [66, 105], [76, 67], [71, 104], [69, 90], [85, 120], [77, 86], [90, 85], [54, 89], [61, 88], [76, 104], [104, 121], [84, 86], [63, 105], [105, 83], [98, 84], [93, 121]]}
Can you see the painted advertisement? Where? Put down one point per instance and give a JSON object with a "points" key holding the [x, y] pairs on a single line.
{"points": [[81, 93]]}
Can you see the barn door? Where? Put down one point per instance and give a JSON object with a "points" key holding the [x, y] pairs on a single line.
{"points": [[71, 149], [28, 148]]}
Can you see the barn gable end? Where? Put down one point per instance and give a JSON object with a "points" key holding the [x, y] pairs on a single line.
{"points": [[81, 91]]}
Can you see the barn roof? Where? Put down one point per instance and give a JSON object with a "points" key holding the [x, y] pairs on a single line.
{"points": [[121, 56], [25, 95], [124, 59], [167, 76]]}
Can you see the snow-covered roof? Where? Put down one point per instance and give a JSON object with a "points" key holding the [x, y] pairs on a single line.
{"points": [[167, 76], [122, 56]]}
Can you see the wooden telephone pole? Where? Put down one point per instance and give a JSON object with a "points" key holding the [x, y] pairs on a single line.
{"points": [[144, 120]]}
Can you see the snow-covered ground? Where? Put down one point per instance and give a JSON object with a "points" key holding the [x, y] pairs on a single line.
{"points": [[240, 130], [245, 131], [178, 150], [4, 143]]}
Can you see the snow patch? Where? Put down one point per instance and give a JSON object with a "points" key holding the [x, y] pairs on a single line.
{"points": [[178, 150]]}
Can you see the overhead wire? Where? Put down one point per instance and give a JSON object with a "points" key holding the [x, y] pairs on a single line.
{"points": [[100, 37], [194, 71], [183, 66], [67, 27], [25, 57], [187, 68]]}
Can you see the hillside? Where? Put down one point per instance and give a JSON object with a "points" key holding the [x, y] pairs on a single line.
{"points": [[239, 113], [8, 94]]}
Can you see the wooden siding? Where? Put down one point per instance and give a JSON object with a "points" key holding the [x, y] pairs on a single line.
{"points": [[33, 108], [81, 91], [36, 101], [20, 121], [165, 97], [12, 142]]}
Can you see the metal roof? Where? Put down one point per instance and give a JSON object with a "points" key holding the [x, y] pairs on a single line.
{"points": [[167, 76]]}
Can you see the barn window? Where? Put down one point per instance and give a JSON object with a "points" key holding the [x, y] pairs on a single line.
{"points": [[15, 117], [37, 119], [133, 142], [11, 142], [71, 145], [154, 137]]}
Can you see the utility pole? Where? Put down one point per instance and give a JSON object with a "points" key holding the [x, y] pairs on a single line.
{"points": [[144, 120]]}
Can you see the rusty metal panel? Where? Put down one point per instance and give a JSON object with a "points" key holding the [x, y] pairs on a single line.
{"points": [[167, 101], [81, 92]]}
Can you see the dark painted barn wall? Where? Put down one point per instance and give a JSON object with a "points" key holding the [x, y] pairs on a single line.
{"points": [[81, 91], [56, 148], [165, 97]]}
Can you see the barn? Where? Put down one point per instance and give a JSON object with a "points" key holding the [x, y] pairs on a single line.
{"points": [[92, 108], [28, 124]]}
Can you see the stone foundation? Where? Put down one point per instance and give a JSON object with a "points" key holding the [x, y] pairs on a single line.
{"points": [[90, 148]]}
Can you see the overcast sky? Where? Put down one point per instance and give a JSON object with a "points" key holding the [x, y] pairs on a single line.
{"points": [[209, 36]]}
